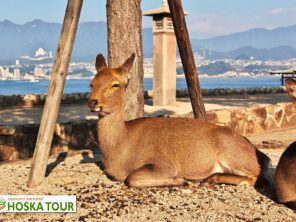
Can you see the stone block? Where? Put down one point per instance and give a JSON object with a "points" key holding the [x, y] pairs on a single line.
{"points": [[270, 110], [223, 116], [6, 152], [238, 121], [42, 98], [260, 112], [83, 96], [284, 122], [77, 97], [278, 116], [290, 109], [292, 120], [6, 140], [24, 154], [31, 129], [270, 123], [205, 92], [237, 115], [249, 127], [7, 130], [29, 100]]}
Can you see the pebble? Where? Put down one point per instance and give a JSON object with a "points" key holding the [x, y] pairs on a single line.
{"points": [[99, 199]]}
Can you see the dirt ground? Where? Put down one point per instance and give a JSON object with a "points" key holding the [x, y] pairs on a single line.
{"points": [[99, 199], [74, 112]]}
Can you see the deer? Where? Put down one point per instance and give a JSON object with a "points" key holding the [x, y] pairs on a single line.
{"points": [[161, 151], [285, 177], [291, 89]]}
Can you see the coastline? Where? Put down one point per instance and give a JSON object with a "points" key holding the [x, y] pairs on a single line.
{"points": [[182, 76], [22, 87]]}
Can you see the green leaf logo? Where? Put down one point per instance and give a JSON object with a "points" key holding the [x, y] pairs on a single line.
{"points": [[2, 203]]}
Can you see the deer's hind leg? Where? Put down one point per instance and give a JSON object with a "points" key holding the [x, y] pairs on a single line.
{"points": [[225, 178], [153, 176]]}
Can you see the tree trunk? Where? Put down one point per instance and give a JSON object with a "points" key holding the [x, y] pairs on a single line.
{"points": [[124, 22]]}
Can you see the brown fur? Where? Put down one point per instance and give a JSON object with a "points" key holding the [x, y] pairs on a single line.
{"points": [[165, 151], [291, 89], [285, 177]]}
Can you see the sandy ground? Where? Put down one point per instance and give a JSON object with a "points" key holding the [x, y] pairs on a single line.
{"points": [[13, 116], [99, 199]]}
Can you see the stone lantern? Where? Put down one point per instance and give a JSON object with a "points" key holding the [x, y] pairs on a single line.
{"points": [[164, 56]]}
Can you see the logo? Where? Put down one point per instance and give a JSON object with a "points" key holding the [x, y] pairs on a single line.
{"points": [[44, 204], [2, 203]]}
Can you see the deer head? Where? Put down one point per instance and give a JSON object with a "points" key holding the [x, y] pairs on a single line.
{"points": [[108, 86]]}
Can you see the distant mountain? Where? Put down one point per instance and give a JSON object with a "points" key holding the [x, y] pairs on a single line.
{"points": [[18, 40], [257, 38], [277, 53], [246, 52]]}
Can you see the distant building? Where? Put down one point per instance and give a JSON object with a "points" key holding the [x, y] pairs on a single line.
{"points": [[5, 74], [40, 52], [38, 72], [1, 72], [16, 73]]}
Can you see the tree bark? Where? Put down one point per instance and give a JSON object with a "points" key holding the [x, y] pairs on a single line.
{"points": [[124, 23]]}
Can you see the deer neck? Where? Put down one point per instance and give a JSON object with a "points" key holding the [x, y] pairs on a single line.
{"points": [[112, 132]]}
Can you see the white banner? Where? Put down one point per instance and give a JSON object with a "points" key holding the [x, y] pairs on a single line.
{"points": [[41, 204]]}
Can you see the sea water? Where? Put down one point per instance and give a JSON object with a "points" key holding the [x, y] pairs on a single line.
{"points": [[11, 87]]}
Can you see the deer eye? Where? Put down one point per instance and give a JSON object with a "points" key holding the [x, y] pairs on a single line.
{"points": [[116, 85]]}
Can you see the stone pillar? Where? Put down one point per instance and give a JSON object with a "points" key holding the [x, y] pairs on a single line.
{"points": [[164, 65], [164, 56]]}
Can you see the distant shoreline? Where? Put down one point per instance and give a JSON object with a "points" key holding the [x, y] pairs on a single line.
{"points": [[22, 87], [182, 76], [150, 76]]}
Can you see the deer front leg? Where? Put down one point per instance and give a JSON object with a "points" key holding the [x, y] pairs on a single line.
{"points": [[224, 178], [153, 176]]}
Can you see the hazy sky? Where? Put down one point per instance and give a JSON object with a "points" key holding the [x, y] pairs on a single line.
{"points": [[207, 17]]}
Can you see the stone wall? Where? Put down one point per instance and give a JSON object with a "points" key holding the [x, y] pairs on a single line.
{"points": [[81, 98], [18, 142], [36, 100], [255, 119]]}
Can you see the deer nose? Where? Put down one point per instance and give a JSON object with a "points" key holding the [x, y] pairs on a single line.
{"points": [[92, 103]]}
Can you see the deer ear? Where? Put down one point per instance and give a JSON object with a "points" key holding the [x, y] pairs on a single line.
{"points": [[100, 62], [128, 64]]}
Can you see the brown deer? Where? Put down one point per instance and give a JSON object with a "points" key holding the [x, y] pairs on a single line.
{"points": [[285, 177], [164, 151], [291, 89]]}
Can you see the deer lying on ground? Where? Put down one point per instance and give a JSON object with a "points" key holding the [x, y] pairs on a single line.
{"points": [[165, 151], [285, 177]]}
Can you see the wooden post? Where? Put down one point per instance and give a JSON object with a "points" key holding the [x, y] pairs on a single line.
{"points": [[55, 91], [187, 58]]}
